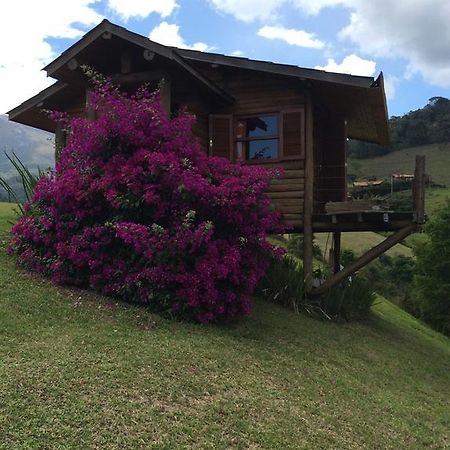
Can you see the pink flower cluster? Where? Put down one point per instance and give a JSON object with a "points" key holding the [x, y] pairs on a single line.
{"points": [[136, 209]]}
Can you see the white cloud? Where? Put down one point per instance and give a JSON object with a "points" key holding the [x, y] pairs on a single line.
{"points": [[142, 8], [292, 36], [351, 64], [390, 85], [417, 32], [169, 34], [314, 7], [237, 53], [24, 28], [248, 10]]}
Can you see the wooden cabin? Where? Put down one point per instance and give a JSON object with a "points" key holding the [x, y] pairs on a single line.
{"points": [[252, 112]]}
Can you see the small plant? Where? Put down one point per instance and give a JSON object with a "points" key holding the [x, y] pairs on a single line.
{"points": [[295, 246], [351, 300], [283, 283], [347, 257], [28, 179]]}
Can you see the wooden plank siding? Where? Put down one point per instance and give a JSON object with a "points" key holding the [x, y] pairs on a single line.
{"points": [[330, 143], [254, 93], [257, 93]]}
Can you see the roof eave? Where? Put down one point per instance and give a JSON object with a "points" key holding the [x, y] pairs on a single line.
{"points": [[167, 52]]}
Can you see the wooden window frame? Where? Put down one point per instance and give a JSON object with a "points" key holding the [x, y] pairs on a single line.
{"points": [[281, 156], [230, 118], [278, 137], [301, 155]]}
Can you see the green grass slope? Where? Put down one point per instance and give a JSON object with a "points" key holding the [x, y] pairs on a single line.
{"points": [[403, 161], [80, 371], [360, 242]]}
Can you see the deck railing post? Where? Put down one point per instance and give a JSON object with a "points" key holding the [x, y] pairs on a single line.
{"points": [[309, 198], [419, 190]]}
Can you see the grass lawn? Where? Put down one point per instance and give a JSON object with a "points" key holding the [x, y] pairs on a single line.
{"points": [[435, 199], [7, 216], [79, 371], [360, 242]]}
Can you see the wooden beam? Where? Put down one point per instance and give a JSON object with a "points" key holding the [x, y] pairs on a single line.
{"points": [[365, 259], [137, 78], [72, 64], [148, 54], [329, 227], [309, 196], [166, 94], [91, 114], [60, 141], [336, 252], [125, 62], [419, 190]]}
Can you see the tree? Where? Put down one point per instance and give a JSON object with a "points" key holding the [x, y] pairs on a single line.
{"points": [[432, 273], [137, 210]]}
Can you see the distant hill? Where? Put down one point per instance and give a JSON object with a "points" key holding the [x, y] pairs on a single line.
{"points": [[427, 125], [33, 147], [403, 161]]}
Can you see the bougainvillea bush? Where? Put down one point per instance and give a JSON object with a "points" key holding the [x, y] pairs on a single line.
{"points": [[137, 210]]}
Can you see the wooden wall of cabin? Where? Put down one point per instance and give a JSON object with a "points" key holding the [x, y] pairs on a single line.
{"points": [[330, 142], [257, 94]]}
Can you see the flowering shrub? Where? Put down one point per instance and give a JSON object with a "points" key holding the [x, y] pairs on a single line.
{"points": [[136, 209]]}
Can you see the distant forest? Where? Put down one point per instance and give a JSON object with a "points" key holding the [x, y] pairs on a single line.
{"points": [[428, 125]]}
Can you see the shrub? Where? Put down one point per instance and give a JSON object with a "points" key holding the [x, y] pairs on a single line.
{"points": [[351, 300], [400, 201], [283, 282], [295, 246], [431, 297], [136, 209], [392, 277], [347, 257]]}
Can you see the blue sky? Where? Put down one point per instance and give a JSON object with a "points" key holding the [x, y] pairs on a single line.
{"points": [[409, 40]]}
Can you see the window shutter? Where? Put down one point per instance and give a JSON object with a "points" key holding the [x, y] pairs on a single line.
{"points": [[293, 143], [220, 135]]}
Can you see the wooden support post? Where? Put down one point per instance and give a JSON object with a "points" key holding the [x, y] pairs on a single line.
{"points": [[336, 252], [419, 190], [166, 98], [90, 112], [309, 197], [125, 62], [60, 140], [365, 259]]}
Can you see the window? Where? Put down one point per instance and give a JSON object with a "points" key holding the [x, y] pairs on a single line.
{"points": [[257, 138]]}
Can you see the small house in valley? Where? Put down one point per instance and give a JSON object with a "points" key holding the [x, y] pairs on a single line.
{"points": [[251, 112]]}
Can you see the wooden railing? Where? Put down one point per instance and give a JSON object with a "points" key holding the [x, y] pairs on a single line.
{"points": [[419, 190]]}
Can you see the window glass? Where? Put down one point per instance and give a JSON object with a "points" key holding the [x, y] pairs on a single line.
{"points": [[257, 138], [263, 149], [262, 126]]}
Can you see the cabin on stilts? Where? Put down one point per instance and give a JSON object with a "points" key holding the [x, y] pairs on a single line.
{"points": [[251, 112]]}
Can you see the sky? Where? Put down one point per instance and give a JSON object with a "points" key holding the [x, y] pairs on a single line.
{"points": [[409, 40]]}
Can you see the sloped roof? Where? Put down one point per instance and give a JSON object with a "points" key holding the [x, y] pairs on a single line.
{"points": [[361, 100]]}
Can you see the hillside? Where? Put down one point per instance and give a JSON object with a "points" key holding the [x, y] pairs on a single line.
{"points": [[81, 371], [33, 147], [403, 161], [427, 125]]}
